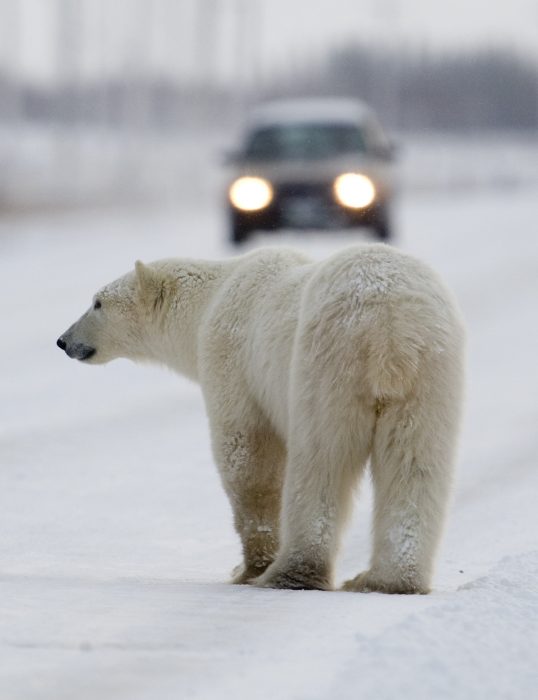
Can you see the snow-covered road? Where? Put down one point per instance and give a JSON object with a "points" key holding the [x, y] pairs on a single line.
{"points": [[115, 535]]}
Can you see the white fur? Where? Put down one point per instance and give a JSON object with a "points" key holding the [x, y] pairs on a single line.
{"points": [[308, 370]]}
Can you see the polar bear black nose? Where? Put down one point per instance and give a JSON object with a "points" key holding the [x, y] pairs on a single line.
{"points": [[61, 343]]}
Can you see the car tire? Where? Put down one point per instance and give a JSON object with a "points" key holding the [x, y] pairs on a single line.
{"points": [[383, 231], [239, 230], [381, 225]]}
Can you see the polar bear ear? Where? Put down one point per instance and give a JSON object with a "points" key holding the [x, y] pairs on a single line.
{"points": [[143, 275], [149, 284], [141, 270]]}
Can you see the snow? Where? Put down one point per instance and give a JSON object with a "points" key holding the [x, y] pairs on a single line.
{"points": [[116, 538]]}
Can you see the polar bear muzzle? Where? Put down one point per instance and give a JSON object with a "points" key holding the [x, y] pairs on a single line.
{"points": [[77, 351]]}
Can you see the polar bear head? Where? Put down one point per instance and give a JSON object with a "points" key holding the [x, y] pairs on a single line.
{"points": [[120, 321]]}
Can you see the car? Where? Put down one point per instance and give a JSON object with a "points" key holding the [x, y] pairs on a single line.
{"points": [[311, 164]]}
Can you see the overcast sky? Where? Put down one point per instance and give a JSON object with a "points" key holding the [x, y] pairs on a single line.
{"points": [[176, 36]]}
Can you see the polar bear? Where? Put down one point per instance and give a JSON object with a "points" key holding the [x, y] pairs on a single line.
{"points": [[309, 370]]}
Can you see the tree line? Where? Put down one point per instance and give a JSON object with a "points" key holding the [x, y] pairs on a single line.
{"points": [[492, 89], [473, 90]]}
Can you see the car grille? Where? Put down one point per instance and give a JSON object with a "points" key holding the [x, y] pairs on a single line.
{"points": [[303, 189], [303, 205]]}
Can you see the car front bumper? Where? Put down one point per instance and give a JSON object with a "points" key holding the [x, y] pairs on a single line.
{"points": [[305, 206]]}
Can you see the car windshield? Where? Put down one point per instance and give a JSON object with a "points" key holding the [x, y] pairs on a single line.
{"points": [[304, 141]]}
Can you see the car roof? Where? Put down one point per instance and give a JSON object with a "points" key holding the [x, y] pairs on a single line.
{"points": [[309, 110]]}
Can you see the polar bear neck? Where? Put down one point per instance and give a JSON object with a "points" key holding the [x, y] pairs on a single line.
{"points": [[190, 287]]}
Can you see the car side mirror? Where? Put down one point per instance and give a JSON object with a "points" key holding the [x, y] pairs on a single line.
{"points": [[393, 150], [231, 157], [388, 152]]}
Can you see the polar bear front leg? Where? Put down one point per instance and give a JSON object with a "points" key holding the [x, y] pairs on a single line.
{"points": [[251, 466]]}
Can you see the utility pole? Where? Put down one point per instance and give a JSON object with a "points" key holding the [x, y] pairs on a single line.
{"points": [[68, 166], [11, 41], [12, 97], [388, 15], [68, 52], [207, 36], [248, 32]]}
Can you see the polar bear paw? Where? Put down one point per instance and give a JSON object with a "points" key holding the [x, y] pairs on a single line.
{"points": [[243, 574], [368, 582], [303, 577]]}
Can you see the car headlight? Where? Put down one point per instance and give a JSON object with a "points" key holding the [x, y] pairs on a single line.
{"points": [[250, 193], [354, 190]]}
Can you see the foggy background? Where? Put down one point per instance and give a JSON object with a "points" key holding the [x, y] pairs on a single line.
{"points": [[105, 102]]}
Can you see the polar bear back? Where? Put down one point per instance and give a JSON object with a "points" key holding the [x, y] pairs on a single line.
{"points": [[367, 316]]}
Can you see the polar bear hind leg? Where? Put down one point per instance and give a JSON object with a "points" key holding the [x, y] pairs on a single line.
{"points": [[412, 464], [330, 439], [318, 490]]}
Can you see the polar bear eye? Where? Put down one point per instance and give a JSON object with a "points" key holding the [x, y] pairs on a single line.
{"points": [[97, 304]]}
